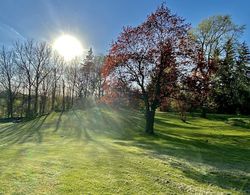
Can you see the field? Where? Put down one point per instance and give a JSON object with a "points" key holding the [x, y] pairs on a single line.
{"points": [[104, 151]]}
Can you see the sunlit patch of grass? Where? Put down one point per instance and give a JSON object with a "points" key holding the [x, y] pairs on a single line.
{"points": [[104, 151]]}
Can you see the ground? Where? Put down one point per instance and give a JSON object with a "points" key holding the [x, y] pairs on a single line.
{"points": [[103, 151]]}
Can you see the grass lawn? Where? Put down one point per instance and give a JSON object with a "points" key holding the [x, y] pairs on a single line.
{"points": [[103, 151]]}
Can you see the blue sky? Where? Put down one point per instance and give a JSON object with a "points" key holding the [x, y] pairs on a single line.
{"points": [[97, 22]]}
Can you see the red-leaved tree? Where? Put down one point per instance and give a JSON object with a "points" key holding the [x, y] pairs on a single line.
{"points": [[149, 57], [200, 82]]}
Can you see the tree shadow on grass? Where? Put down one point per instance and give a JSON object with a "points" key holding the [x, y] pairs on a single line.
{"points": [[226, 179], [81, 129], [173, 126], [225, 158], [58, 122], [23, 132], [229, 164], [100, 122]]}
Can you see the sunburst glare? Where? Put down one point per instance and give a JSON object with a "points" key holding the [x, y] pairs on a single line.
{"points": [[68, 46]]}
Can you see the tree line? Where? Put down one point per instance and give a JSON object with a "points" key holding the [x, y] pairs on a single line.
{"points": [[35, 80]]}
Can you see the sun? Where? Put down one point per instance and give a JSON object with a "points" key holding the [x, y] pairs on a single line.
{"points": [[68, 47]]}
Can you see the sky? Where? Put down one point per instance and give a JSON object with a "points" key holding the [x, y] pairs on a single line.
{"points": [[96, 23]]}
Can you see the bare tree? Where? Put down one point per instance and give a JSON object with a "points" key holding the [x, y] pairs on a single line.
{"points": [[40, 59], [72, 74], [9, 78], [57, 64], [23, 61]]}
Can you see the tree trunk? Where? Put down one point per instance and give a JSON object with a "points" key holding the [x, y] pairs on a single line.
{"points": [[150, 117], [53, 97], [36, 102], [204, 112], [28, 113], [43, 104], [10, 108], [23, 102], [63, 100], [36, 98], [99, 92], [10, 104], [72, 96]]}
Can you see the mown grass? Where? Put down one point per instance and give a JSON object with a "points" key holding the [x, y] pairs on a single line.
{"points": [[104, 151]]}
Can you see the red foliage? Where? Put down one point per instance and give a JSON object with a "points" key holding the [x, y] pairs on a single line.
{"points": [[148, 57], [200, 82]]}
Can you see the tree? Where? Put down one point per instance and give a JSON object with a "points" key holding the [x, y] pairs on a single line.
{"points": [[44, 94], [23, 51], [40, 58], [33, 58], [231, 91], [212, 34], [72, 72], [148, 58], [238, 60], [243, 77], [9, 78], [99, 80], [88, 75], [57, 64], [226, 92]]}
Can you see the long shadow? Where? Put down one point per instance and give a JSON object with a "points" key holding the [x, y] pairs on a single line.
{"points": [[99, 122], [58, 122], [23, 132], [82, 128], [226, 179], [228, 160], [228, 156], [35, 130], [213, 117], [73, 125], [172, 125]]}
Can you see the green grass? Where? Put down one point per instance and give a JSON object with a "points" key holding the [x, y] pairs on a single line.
{"points": [[103, 151]]}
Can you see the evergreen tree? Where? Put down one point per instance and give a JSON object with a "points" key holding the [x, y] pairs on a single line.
{"points": [[232, 84], [86, 75], [242, 78], [226, 94]]}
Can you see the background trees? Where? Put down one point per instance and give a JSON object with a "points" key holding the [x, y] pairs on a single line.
{"points": [[35, 80], [231, 90], [210, 39]]}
